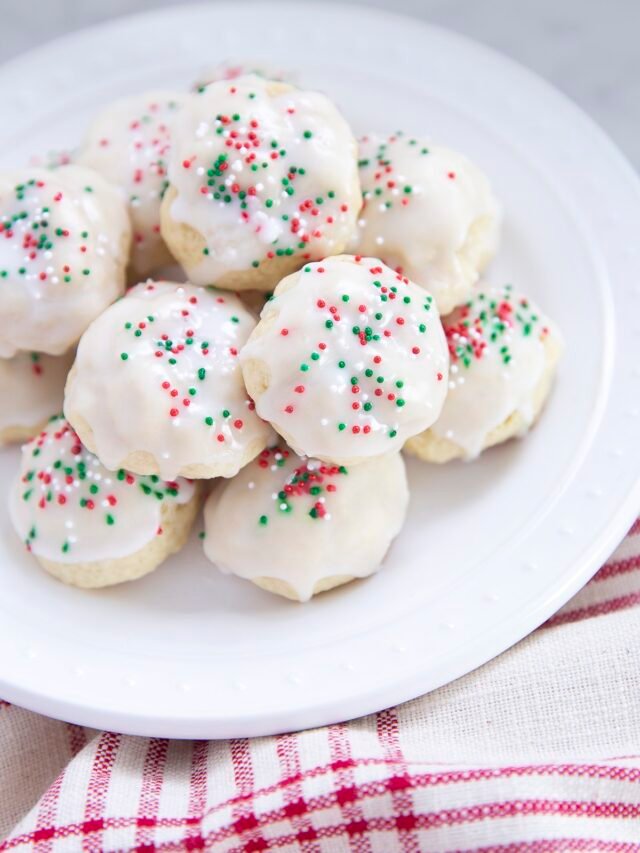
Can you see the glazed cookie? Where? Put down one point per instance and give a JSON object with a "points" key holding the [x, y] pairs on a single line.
{"points": [[233, 70], [58, 157], [429, 213], [504, 353], [64, 243], [263, 178], [54, 158], [288, 524], [128, 143], [31, 391], [157, 388], [348, 360], [90, 527]]}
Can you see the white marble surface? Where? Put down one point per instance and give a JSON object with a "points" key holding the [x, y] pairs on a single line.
{"points": [[587, 48]]}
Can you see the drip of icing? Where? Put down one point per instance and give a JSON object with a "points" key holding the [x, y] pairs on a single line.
{"points": [[129, 144], [427, 211], [159, 372], [497, 349], [67, 507], [63, 243], [356, 358], [263, 170], [31, 388], [300, 520]]}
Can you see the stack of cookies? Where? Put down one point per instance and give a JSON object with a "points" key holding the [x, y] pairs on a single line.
{"points": [[315, 308]]}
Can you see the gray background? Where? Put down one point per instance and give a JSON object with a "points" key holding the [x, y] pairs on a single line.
{"points": [[587, 48]]}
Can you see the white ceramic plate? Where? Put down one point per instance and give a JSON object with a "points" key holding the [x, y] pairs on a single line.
{"points": [[490, 549]]}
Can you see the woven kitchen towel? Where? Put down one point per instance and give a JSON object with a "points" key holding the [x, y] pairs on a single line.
{"points": [[538, 750]]}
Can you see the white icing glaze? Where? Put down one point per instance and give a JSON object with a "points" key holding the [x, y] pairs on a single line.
{"points": [[32, 388], [280, 179], [356, 358], [67, 507], [267, 522], [427, 211], [128, 143], [63, 242], [159, 372], [498, 357]]}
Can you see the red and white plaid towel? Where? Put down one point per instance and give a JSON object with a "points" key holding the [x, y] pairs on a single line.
{"points": [[538, 750]]}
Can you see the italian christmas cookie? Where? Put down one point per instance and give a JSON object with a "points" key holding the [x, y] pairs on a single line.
{"points": [[348, 361], [263, 178], [64, 244], [91, 527], [128, 143], [428, 212], [54, 158], [504, 353], [31, 392], [294, 526], [156, 387], [233, 70]]}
